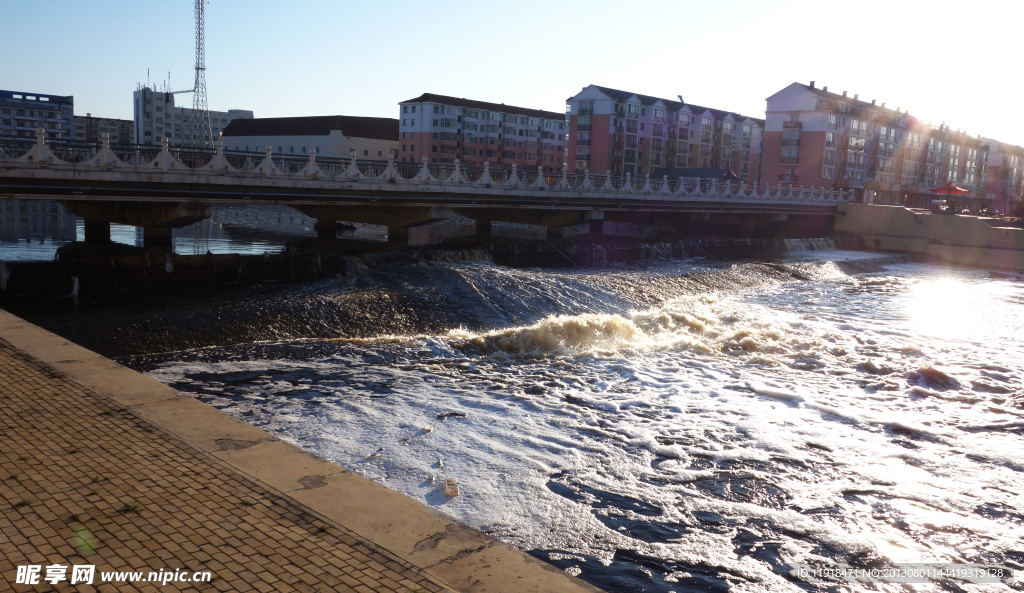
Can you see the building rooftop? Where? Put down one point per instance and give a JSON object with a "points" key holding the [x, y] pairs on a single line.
{"points": [[380, 128], [19, 95], [432, 98], [673, 105]]}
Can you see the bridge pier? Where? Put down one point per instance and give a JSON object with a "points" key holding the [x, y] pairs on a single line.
{"points": [[97, 232], [156, 218], [156, 238]]}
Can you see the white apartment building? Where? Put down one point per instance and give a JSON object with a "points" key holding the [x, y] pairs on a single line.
{"points": [[443, 129], [156, 117], [332, 136]]}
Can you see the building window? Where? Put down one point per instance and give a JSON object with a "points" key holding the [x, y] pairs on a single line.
{"points": [[379, 153], [403, 148], [366, 153], [412, 147], [434, 148], [405, 109], [403, 135]]}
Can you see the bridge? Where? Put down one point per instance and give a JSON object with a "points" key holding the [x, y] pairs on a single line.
{"points": [[164, 187]]}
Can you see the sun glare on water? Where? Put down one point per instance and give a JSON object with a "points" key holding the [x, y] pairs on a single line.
{"points": [[946, 308]]}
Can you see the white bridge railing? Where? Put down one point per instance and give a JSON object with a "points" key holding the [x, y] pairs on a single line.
{"points": [[385, 176]]}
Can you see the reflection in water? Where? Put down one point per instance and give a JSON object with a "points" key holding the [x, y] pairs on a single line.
{"points": [[244, 228], [32, 230]]}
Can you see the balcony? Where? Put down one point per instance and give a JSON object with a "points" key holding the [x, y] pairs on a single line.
{"points": [[783, 178], [617, 144], [792, 124], [584, 127], [583, 157], [788, 160], [587, 111], [616, 159], [619, 129], [790, 142], [583, 142]]}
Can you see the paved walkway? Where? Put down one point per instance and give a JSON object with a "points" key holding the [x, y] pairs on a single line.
{"points": [[84, 481]]}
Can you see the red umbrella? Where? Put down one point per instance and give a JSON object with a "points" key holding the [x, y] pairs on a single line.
{"points": [[948, 189]]}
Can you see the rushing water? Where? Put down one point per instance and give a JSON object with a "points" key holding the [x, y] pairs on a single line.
{"points": [[693, 441]]}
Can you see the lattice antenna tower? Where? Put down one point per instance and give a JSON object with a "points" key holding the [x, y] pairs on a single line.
{"points": [[202, 133]]}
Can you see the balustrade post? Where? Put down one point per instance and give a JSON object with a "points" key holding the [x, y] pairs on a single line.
{"points": [[424, 173], [486, 177], [628, 187], [165, 154], [390, 174], [218, 161], [457, 173], [513, 179], [311, 169], [540, 183], [106, 159], [40, 148], [353, 169], [268, 163]]}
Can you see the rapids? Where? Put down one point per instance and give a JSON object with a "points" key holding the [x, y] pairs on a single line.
{"points": [[671, 426]]}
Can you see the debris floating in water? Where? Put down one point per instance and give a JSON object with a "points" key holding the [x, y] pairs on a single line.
{"points": [[445, 415], [451, 487]]}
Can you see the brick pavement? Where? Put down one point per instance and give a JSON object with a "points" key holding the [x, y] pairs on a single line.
{"points": [[84, 481]]}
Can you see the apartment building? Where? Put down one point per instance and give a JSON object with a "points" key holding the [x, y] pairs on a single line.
{"points": [[91, 129], [21, 113], [327, 136], [156, 117], [445, 128], [1003, 183], [817, 138], [625, 132]]}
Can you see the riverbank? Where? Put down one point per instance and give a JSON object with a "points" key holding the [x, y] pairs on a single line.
{"points": [[150, 480]]}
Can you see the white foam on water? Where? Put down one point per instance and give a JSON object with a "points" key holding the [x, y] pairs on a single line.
{"points": [[746, 405]]}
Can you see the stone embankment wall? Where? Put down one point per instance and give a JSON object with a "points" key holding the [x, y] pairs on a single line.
{"points": [[965, 240]]}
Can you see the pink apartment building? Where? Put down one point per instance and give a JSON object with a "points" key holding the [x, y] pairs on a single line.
{"points": [[817, 138], [624, 132]]}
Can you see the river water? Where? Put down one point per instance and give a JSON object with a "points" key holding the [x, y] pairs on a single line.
{"points": [[646, 436]]}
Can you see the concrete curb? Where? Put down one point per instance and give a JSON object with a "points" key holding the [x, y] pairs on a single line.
{"points": [[451, 552]]}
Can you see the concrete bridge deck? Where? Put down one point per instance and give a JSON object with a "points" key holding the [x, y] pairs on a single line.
{"points": [[386, 193], [103, 466]]}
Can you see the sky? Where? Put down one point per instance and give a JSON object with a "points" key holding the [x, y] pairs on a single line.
{"points": [[944, 61]]}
